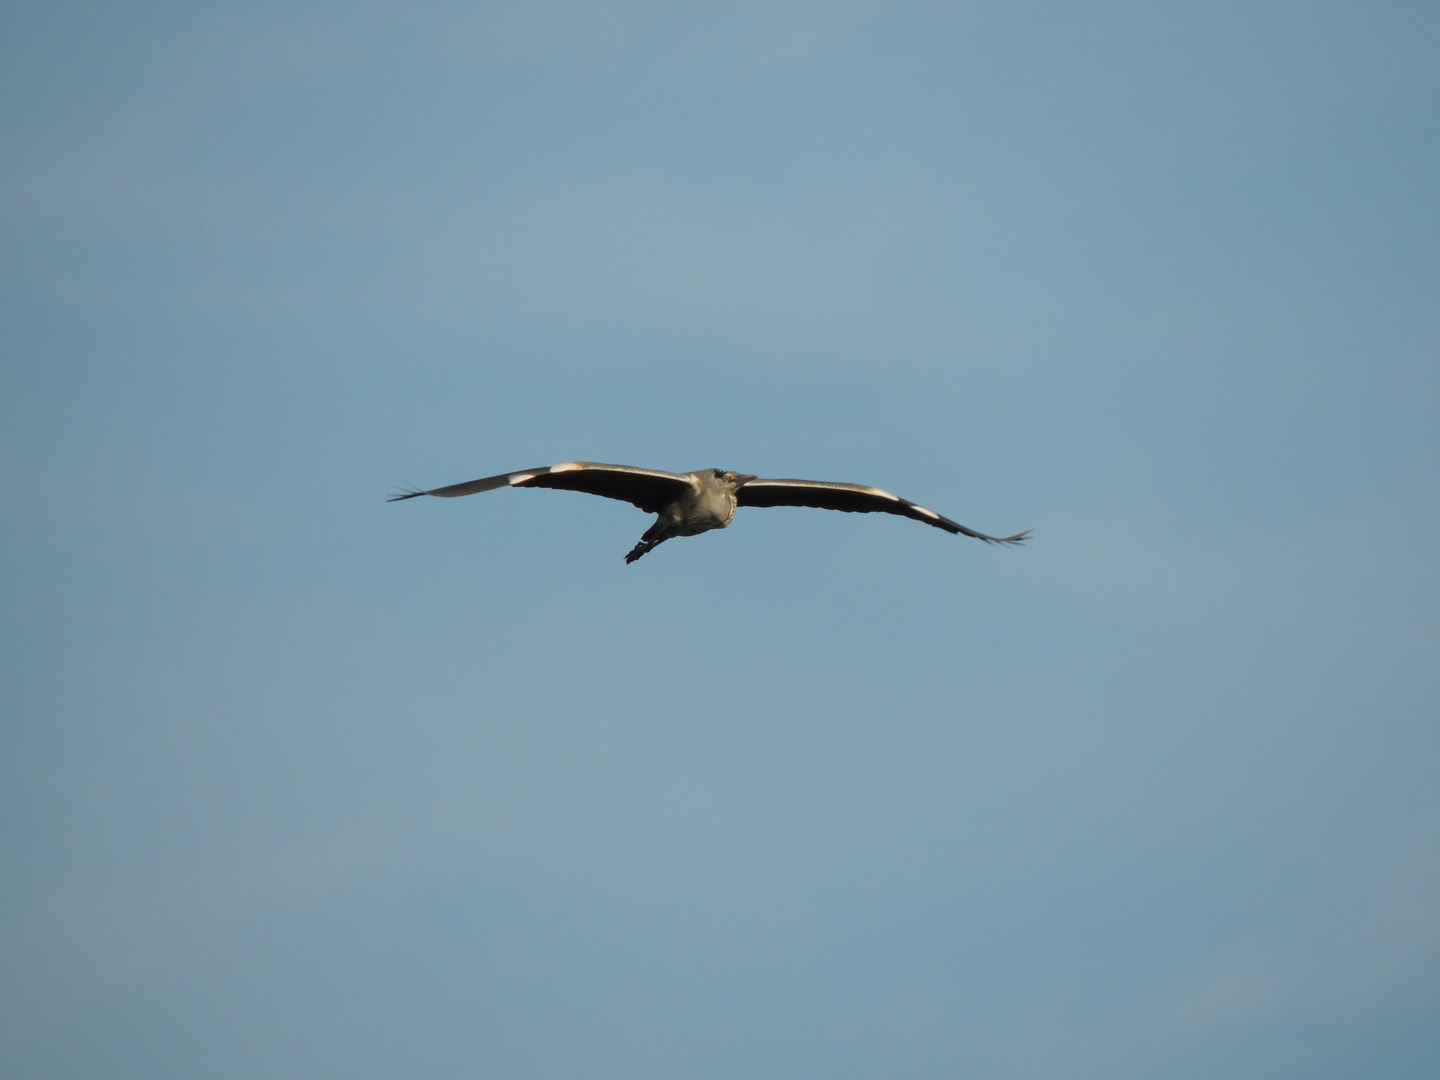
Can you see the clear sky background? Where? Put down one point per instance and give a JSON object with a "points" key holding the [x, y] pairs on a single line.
{"points": [[296, 783]]}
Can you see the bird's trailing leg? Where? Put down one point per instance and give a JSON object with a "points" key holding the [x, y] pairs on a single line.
{"points": [[654, 536]]}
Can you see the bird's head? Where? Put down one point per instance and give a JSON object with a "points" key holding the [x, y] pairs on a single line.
{"points": [[732, 480]]}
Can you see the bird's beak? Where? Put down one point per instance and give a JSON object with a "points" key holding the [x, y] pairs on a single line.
{"points": [[744, 478]]}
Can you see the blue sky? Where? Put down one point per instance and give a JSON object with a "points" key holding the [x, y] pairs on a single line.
{"points": [[294, 782]]}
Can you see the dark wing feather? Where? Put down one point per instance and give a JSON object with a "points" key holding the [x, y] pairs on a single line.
{"points": [[854, 499], [649, 489]]}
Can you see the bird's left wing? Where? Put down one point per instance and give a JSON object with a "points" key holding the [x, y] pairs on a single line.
{"points": [[650, 489], [855, 499]]}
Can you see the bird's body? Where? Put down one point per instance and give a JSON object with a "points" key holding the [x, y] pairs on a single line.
{"points": [[709, 503], [686, 504]]}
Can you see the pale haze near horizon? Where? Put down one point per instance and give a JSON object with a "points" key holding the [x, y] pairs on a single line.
{"points": [[294, 782]]}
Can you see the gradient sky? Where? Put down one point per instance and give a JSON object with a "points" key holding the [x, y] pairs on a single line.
{"points": [[297, 783]]}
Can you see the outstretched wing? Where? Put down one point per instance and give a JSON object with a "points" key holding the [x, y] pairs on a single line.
{"points": [[649, 489], [854, 499]]}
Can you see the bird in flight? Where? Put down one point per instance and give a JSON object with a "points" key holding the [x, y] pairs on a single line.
{"points": [[690, 503]]}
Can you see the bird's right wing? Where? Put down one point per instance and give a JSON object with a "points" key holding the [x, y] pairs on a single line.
{"points": [[855, 499], [650, 489]]}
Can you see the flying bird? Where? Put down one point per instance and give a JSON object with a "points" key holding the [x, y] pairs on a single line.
{"points": [[696, 502]]}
